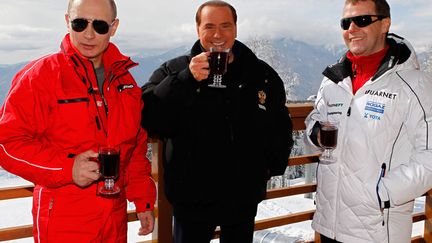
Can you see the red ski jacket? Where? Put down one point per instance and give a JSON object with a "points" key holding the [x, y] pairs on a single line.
{"points": [[55, 111]]}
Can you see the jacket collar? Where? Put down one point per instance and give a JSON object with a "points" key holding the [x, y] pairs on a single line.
{"points": [[398, 53], [113, 60], [240, 50], [245, 60]]}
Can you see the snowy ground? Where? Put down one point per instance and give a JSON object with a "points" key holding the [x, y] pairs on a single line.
{"points": [[286, 205], [17, 212]]}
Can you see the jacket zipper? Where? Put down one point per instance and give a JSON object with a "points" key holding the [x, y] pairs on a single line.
{"points": [[339, 170], [101, 92], [105, 104], [111, 78], [355, 71]]}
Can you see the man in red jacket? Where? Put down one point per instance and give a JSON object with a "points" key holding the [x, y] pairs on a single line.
{"points": [[59, 110]]}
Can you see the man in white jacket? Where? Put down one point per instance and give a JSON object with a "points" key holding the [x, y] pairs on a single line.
{"points": [[384, 153]]}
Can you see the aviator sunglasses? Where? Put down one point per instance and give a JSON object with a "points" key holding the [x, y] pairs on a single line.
{"points": [[80, 24], [361, 21]]}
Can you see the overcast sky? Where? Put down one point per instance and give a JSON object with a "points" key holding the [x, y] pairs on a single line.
{"points": [[29, 28]]}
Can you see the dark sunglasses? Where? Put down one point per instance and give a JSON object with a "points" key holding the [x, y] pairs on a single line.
{"points": [[80, 24], [361, 21]]}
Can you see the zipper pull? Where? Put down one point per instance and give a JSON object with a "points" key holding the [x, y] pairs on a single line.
{"points": [[383, 171], [355, 71], [51, 204]]}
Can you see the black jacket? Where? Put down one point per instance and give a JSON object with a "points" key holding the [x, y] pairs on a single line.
{"points": [[221, 145]]}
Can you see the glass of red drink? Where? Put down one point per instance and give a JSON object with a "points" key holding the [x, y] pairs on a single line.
{"points": [[109, 162], [328, 140], [218, 63]]}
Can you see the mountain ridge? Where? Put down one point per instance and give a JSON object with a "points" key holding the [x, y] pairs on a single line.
{"points": [[306, 60]]}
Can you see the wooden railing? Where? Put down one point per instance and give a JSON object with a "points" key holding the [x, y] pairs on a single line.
{"points": [[162, 232]]}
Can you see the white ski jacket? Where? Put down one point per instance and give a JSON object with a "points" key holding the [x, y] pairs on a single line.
{"points": [[384, 151]]}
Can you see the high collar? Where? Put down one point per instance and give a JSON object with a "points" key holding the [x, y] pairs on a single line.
{"points": [[113, 60], [399, 53], [366, 66], [240, 50], [245, 67], [368, 62]]}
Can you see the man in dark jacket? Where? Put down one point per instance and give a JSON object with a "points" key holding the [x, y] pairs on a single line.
{"points": [[221, 144]]}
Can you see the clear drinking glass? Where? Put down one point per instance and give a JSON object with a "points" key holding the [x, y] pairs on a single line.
{"points": [[109, 162], [328, 140], [218, 61]]}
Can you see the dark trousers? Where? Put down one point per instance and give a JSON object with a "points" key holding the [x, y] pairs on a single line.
{"points": [[325, 239], [203, 232]]}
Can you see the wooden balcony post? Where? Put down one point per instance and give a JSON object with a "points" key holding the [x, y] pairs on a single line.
{"points": [[428, 221], [163, 224], [317, 237]]}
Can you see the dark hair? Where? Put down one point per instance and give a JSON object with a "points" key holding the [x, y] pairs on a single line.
{"points": [[112, 3], [216, 3], [381, 6]]}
